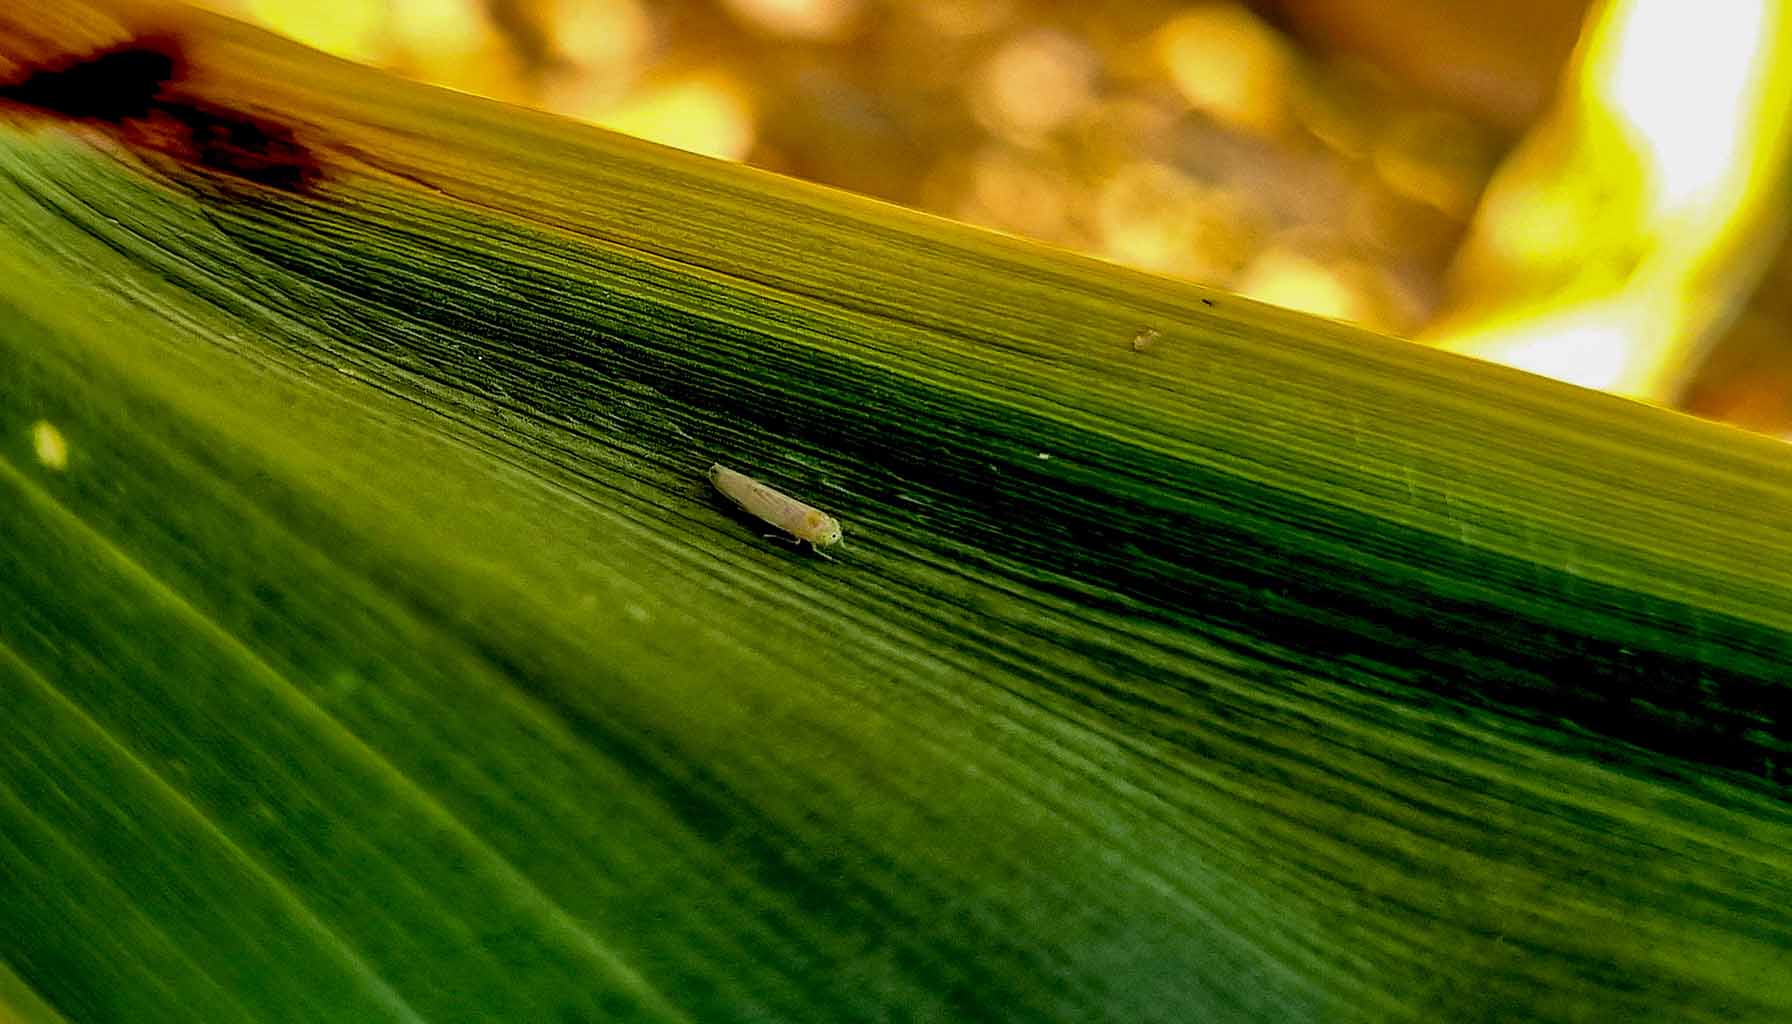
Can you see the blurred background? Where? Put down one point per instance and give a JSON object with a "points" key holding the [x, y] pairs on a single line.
{"points": [[1594, 190]]}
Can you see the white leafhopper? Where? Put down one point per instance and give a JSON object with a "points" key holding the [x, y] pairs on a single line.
{"points": [[806, 523]]}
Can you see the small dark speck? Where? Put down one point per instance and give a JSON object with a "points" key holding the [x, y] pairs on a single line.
{"points": [[1207, 302]]}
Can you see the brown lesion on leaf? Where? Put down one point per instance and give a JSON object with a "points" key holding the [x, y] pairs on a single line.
{"points": [[137, 89], [223, 139], [111, 86]]}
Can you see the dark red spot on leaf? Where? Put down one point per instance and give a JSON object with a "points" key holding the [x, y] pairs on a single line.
{"points": [[136, 90], [109, 87]]}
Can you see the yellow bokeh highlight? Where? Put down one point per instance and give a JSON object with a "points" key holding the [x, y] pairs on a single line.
{"points": [[437, 26], [707, 114], [449, 42], [601, 51], [1679, 77], [1230, 66], [963, 18], [355, 29], [1294, 281], [1601, 345], [1151, 215], [1631, 225], [824, 20], [1013, 191], [602, 34], [1033, 84]]}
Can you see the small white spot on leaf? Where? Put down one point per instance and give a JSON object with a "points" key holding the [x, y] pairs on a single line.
{"points": [[49, 444]]}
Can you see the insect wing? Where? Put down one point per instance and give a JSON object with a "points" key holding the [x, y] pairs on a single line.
{"points": [[800, 520]]}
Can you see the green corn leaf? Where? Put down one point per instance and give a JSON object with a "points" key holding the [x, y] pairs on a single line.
{"points": [[373, 646]]}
